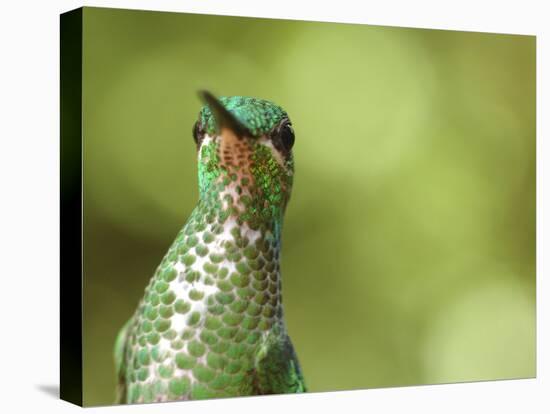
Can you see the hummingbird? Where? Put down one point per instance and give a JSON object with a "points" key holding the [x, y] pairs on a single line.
{"points": [[210, 323]]}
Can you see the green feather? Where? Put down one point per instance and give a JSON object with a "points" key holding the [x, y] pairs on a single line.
{"points": [[120, 365], [277, 370]]}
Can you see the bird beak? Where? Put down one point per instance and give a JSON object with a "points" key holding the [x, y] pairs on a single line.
{"points": [[223, 118]]}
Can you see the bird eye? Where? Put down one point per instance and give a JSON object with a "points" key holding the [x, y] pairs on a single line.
{"points": [[197, 136], [286, 136]]}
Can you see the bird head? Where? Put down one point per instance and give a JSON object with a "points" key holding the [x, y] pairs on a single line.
{"points": [[245, 161]]}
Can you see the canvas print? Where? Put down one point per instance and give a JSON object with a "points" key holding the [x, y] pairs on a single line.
{"points": [[258, 206]]}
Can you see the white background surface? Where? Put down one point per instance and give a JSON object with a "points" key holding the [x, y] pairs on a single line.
{"points": [[29, 206]]}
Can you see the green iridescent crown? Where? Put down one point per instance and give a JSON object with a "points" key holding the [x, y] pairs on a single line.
{"points": [[257, 115]]}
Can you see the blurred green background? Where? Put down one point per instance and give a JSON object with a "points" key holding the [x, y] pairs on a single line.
{"points": [[409, 241]]}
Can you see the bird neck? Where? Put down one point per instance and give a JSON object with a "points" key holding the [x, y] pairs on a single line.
{"points": [[218, 266], [237, 203], [234, 265]]}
